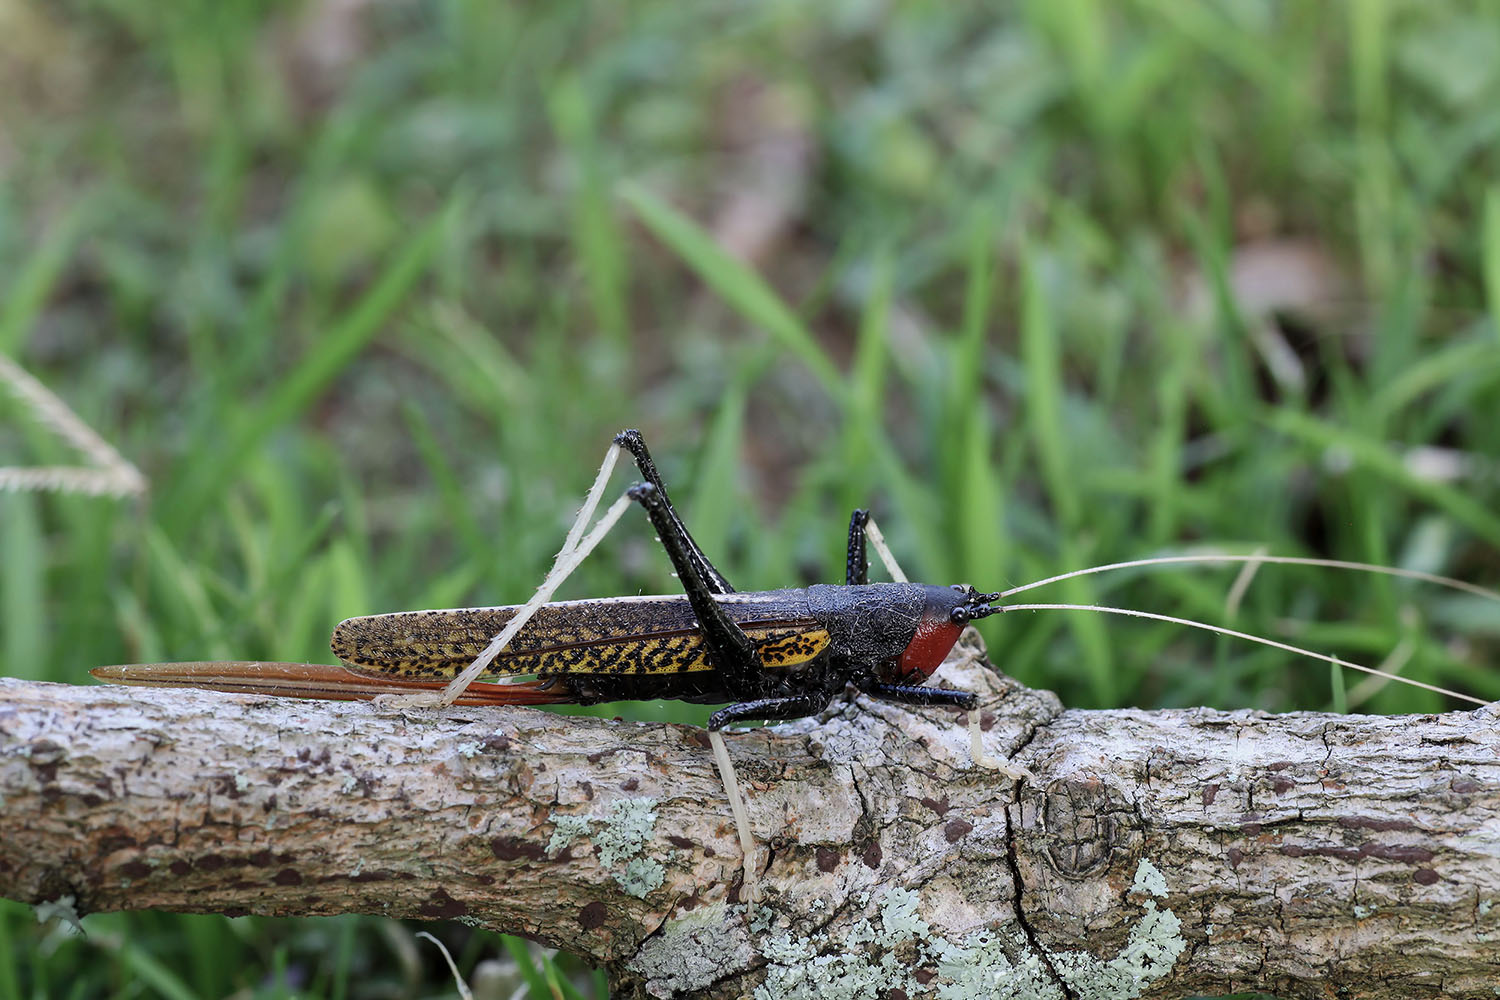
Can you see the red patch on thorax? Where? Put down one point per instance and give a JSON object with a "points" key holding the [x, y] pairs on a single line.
{"points": [[927, 649]]}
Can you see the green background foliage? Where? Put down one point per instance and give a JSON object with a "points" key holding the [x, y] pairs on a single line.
{"points": [[364, 288]]}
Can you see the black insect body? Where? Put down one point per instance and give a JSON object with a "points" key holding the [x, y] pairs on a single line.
{"points": [[778, 654]]}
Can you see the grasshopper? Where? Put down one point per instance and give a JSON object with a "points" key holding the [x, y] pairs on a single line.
{"points": [[771, 655]]}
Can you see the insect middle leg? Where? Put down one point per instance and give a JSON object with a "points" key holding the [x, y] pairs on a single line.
{"points": [[798, 706]]}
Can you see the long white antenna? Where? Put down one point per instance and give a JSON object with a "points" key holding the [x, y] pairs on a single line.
{"points": [[1256, 557], [1245, 635]]}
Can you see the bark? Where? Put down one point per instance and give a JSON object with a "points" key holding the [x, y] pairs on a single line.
{"points": [[1155, 853]]}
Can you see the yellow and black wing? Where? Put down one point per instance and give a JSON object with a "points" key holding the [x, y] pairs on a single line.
{"points": [[622, 636]]}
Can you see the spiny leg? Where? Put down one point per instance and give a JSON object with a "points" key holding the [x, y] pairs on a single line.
{"points": [[856, 563], [633, 442], [730, 649], [798, 706]]}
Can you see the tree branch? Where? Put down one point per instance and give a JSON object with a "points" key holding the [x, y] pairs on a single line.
{"points": [[1164, 853]]}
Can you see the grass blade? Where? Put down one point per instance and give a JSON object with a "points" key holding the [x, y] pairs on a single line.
{"points": [[327, 359], [739, 286]]}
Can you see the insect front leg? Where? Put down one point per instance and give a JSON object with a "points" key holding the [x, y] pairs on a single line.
{"points": [[906, 694]]}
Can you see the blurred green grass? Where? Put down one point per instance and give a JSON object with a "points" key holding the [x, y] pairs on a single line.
{"points": [[364, 289]]}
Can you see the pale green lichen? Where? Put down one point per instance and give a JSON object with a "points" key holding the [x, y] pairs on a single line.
{"points": [[862, 963], [566, 830], [631, 822], [1148, 878], [622, 838], [690, 954], [469, 749]]}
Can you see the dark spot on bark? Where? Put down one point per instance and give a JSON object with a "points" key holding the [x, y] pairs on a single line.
{"points": [[588, 789], [116, 842], [1279, 765], [484, 879], [827, 858], [514, 848], [90, 800], [1466, 786], [235, 911], [896, 993], [498, 743], [1281, 786], [1408, 853], [45, 756], [681, 843], [699, 738], [1370, 823], [287, 876], [630, 785], [442, 906], [986, 721], [1235, 857], [873, 856], [708, 852], [1210, 792], [939, 806], [211, 863], [135, 869], [592, 915], [179, 868], [1251, 829], [924, 976], [1425, 876], [956, 830]]}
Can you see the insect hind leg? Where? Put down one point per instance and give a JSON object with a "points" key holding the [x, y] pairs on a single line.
{"points": [[633, 442], [729, 647]]}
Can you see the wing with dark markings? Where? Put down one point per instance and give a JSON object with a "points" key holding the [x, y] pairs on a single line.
{"points": [[316, 680], [626, 636]]}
